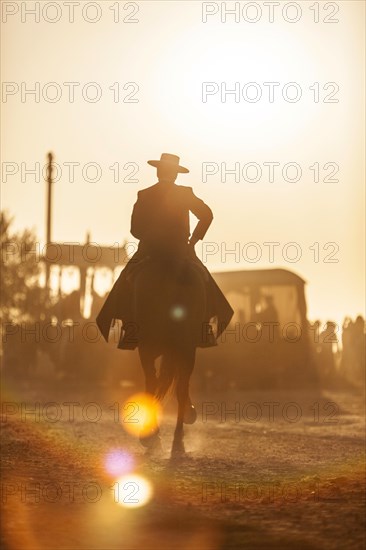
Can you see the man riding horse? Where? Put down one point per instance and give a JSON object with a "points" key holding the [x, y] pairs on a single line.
{"points": [[165, 296], [160, 220]]}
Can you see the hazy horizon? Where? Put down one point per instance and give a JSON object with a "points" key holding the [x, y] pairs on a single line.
{"points": [[171, 115]]}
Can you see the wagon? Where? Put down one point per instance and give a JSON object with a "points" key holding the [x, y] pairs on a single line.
{"points": [[267, 342]]}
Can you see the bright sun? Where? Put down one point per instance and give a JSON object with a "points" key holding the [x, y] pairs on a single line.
{"points": [[229, 85]]}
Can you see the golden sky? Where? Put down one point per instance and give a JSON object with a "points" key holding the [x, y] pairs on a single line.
{"points": [[168, 54]]}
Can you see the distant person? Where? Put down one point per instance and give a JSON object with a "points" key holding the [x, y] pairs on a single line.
{"points": [[329, 347], [346, 360], [269, 313], [269, 320], [358, 338], [314, 336]]}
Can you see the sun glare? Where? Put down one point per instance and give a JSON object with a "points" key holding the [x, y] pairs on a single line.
{"points": [[118, 462], [132, 491], [222, 84], [139, 414]]}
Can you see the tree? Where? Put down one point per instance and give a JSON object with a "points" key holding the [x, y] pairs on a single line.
{"points": [[22, 299]]}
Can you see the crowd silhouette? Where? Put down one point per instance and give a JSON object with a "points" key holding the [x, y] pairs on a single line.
{"points": [[336, 354], [339, 352]]}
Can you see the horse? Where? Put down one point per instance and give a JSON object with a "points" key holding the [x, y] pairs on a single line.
{"points": [[169, 299]]}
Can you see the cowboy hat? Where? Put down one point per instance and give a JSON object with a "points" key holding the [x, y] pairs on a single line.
{"points": [[172, 161]]}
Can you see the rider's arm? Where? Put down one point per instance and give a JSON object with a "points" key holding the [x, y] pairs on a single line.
{"points": [[204, 215], [137, 218]]}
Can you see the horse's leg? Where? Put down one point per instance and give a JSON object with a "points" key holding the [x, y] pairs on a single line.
{"points": [[148, 365], [185, 368], [147, 358]]}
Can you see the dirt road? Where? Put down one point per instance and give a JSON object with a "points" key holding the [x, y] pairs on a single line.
{"points": [[264, 470]]}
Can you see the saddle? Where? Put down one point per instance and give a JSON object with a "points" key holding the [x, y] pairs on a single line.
{"points": [[129, 337], [135, 267]]}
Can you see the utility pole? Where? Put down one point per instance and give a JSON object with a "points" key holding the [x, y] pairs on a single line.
{"points": [[49, 214]]}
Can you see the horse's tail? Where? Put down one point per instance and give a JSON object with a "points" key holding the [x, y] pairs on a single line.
{"points": [[167, 377]]}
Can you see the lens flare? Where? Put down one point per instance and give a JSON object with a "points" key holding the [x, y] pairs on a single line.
{"points": [[178, 313], [140, 414], [118, 462], [132, 491]]}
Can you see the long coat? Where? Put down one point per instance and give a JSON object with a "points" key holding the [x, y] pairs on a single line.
{"points": [[160, 220]]}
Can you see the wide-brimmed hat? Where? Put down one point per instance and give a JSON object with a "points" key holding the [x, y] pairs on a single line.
{"points": [[172, 161]]}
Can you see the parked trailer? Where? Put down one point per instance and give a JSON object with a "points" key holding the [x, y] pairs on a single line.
{"points": [[267, 342]]}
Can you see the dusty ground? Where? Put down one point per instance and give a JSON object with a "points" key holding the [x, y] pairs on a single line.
{"points": [[290, 479]]}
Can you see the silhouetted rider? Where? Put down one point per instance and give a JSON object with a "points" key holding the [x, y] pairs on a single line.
{"points": [[160, 220]]}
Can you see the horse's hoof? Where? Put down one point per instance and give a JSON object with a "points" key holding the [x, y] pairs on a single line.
{"points": [[178, 449], [190, 414], [155, 449], [150, 440]]}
